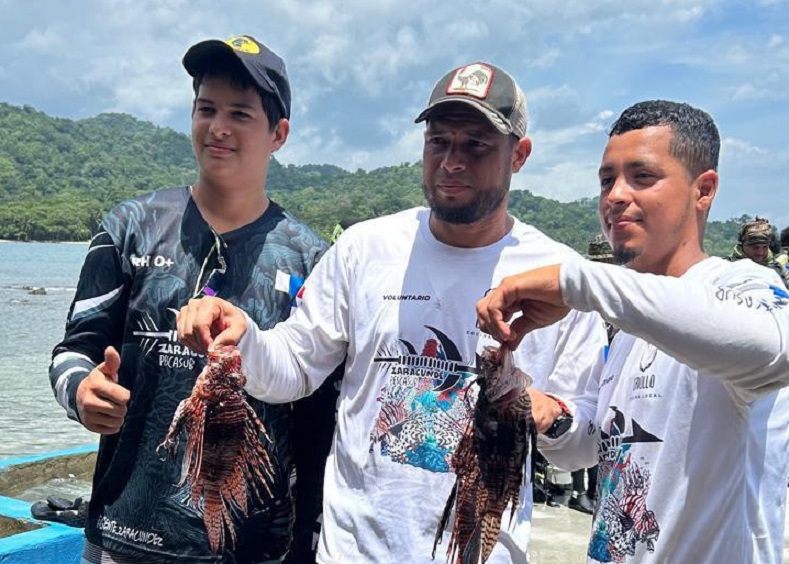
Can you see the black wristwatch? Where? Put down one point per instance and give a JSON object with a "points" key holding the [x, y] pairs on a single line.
{"points": [[562, 423]]}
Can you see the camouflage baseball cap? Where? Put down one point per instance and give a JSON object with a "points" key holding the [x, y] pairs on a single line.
{"points": [[599, 249], [488, 89], [754, 232]]}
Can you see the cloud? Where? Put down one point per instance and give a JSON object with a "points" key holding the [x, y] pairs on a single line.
{"points": [[546, 59], [735, 149], [43, 40], [362, 70], [563, 181], [749, 91], [405, 145], [562, 92], [555, 140]]}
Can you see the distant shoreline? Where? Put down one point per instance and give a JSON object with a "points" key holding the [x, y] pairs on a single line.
{"points": [[58, 242]]}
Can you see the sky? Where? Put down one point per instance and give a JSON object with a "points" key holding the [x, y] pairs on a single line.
{"points": [[362, 70]]}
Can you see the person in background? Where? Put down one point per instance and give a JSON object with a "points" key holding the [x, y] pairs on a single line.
{"points": [[753, 242], [394, 297], [774, 245], [119, 369], [341, 226], [779, 254], [600, 250], [691, 428], [785, 240], [585, 480]]}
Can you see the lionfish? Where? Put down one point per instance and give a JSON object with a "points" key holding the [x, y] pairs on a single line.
{"points": [[224, 460], [489, 459]]}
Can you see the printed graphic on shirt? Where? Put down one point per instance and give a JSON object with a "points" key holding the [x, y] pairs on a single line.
{"points": [[292, 285], [646, 384], [623, 519], [425, 404], [164, 343], [780, 298], [648, 357]]}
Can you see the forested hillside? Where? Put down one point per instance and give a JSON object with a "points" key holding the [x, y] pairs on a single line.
{"points": [[59, 176]]}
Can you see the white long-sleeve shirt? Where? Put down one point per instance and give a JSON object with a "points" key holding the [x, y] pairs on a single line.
{"points": [[400, 306], [692, 415]]}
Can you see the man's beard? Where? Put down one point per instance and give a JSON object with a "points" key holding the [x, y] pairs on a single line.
{"points": [[623, 256], [483, 203]]}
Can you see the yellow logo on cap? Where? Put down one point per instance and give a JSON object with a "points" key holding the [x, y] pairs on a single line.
{"points": [[244, 44]]}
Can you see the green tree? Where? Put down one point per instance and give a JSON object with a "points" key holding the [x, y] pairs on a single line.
{"points": [[58, 177]]}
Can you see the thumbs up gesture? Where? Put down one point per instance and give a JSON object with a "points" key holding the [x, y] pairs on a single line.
{"points": [[101, 401]]}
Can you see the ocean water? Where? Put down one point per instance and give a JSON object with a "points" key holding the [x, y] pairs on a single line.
{"points": [[31, 421]]}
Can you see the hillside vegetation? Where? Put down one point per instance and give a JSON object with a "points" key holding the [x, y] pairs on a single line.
{"points": [[59, 176]]}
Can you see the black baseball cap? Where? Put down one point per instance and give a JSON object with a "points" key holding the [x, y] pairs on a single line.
{"points": [[264, 66], [487, 88]]}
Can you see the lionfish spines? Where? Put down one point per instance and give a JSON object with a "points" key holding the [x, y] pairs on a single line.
{"points": [[224, 461], [490, 459]]}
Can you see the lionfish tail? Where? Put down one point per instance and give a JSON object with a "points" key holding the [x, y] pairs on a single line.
{"points": [[214, 520], [471, 553], [490, 526]]}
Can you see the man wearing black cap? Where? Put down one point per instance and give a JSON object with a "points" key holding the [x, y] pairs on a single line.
{"points": [[394, 296], [119, 369]]}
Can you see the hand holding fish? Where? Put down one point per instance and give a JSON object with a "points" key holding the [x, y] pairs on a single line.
{"points": [[536, 294], [208, 323], [101, 401]]}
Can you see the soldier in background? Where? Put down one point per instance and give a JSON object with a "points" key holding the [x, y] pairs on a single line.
{"points": [[599, 250], [753, 242]]}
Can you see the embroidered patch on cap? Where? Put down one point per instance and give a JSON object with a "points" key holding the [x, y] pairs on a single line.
{"points": [[243, 44], [472, 80]]}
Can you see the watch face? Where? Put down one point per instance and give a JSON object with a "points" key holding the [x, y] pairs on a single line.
{"points": [[560, 426]]}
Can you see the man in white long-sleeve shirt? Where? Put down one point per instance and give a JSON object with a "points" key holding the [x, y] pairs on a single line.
{"points": [[692, 416], [395, 297]]}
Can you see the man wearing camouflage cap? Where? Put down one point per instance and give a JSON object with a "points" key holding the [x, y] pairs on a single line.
{"points": [[753, 242], [599, 250]]}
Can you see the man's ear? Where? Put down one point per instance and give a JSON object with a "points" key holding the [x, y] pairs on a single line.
{"points": [[706, 189], [520, 153], [280, 134]]}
